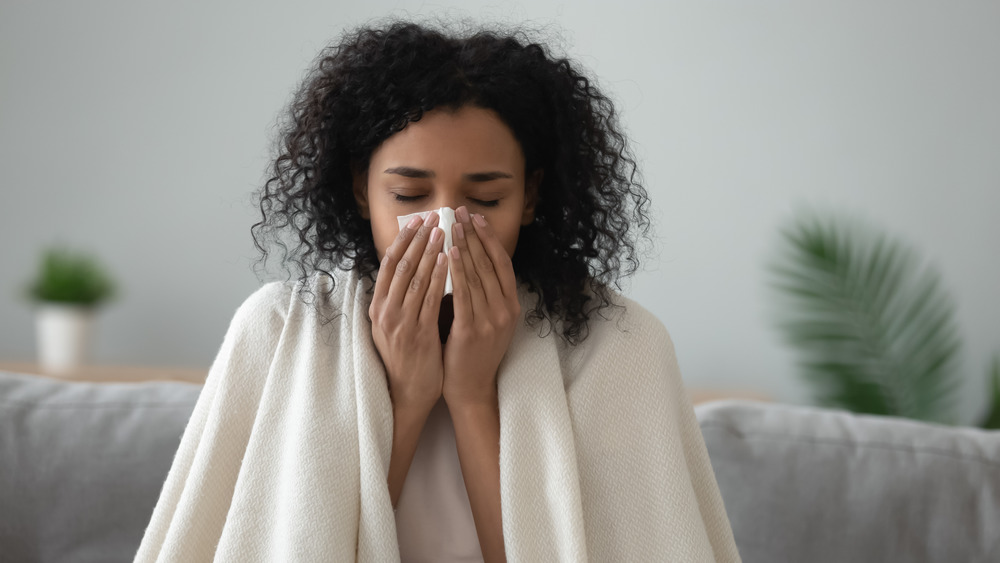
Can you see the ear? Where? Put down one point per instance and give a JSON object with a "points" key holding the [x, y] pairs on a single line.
{"points": [[531, 186], [360, 188]]}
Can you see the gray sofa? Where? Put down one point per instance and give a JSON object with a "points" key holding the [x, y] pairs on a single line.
{"points": [[81, 466]]}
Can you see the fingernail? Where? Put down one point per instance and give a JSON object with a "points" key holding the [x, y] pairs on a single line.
{"points": [[430, 219], [459, 231], [454, 252], [462, 213], [414, 221], [435, 234], [480, 220], [441, 258]]}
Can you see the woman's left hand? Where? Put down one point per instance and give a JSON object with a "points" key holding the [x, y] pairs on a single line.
{"points": [[486, 312]]}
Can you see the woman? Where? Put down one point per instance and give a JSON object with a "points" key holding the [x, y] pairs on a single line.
{"points": [[359, 413]]}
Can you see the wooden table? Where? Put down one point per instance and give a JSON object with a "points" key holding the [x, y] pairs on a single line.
{"points": [[700, 395], [112, 373]]}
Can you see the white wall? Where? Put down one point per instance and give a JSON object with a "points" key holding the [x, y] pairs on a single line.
{"points": [[140, 131]]}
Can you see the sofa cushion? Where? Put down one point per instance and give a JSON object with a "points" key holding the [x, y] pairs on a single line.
{"points": [[817, 485], [82, 464]]}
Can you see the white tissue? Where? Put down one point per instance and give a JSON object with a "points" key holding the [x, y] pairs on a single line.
{"points": [[446, 220]]}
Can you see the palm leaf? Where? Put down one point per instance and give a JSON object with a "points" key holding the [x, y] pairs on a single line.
{"points": [[872, 327], [992, 419]]}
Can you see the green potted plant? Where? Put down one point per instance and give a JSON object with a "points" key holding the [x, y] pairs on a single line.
{"points": [[871, 323], [67, 290]]}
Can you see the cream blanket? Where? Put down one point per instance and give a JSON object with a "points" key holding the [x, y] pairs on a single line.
{"points": [[286, 455]]}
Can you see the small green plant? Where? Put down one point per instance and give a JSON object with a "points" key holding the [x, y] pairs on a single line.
{"points": [[872, 326], [70, 277]]}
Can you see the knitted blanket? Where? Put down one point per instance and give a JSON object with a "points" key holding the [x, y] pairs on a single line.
{"points": [[286, 455]]}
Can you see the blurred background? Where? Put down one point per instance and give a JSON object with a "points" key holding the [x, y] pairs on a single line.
{"points": [[138, 132]]}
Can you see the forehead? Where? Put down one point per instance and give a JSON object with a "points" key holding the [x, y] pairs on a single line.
{"points": [[445, 138]]}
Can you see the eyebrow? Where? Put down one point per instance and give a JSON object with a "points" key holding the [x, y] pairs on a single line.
{"points": [[420, 173]]}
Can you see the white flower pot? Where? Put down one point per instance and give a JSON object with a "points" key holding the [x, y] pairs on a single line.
{"points": [[64, 334]]}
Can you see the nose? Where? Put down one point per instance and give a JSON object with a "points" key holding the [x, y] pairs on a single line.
{"points": [[447, 192], [451, 202], [445, 201]]}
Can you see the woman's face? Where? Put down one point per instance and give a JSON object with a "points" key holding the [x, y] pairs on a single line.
{"points": [[449, 158]]}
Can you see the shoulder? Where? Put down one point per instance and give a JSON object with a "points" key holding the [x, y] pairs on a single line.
{"points": [[623, 333], [268, 305], [626, 323], [316, 298], [252, 337]]}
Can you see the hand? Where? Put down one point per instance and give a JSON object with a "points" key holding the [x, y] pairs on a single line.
{"points": [[486, 312], [404, 313]]}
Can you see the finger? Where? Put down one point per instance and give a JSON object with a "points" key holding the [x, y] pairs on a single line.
{"points": [[392, 255], [431, 307], [473, 281], [461, 299], [418, 286], [479, 269], [479, 257], [407, 265], [497, 254]]}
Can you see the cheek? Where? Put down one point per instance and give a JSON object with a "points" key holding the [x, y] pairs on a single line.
{"points": [[507, 230], [510, 242], [384, 232]]}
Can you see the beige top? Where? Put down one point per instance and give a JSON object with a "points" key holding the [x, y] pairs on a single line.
{"points": [[433, 515]]}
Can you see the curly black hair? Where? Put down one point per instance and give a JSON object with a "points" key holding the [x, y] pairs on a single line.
{"points": [[592, 208]]}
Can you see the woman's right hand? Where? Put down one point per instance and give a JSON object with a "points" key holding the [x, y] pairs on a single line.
{"points": [[404, 314]]}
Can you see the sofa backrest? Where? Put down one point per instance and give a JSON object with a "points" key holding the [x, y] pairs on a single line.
{"points": [[82, 464], [808, 484]]}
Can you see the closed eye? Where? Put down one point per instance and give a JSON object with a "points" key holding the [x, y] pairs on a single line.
{"points": [[412, 198], [490, 203], [407, 198]]}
